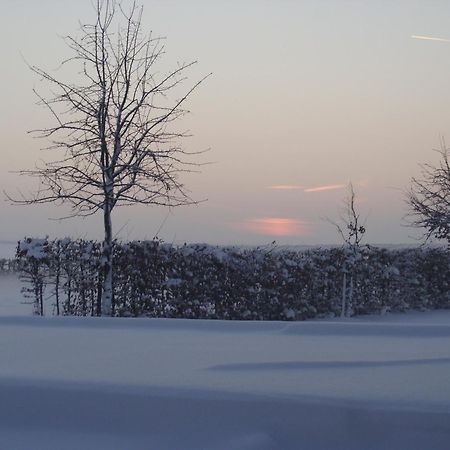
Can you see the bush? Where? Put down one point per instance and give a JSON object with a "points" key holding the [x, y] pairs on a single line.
{"points": [[155, 279]]}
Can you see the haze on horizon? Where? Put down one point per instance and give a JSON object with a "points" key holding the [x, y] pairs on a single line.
{"points": [[305, 96]]}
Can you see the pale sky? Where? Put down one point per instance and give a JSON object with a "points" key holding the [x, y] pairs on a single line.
{"points": [[304, 97]]}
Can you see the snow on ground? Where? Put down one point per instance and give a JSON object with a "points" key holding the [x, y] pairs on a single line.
{"points": [[12, 303], [7, 249], [129, 384]]}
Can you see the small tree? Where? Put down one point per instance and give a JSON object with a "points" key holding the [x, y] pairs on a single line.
{"points": [[352, 230], [429, 198], [113, 127]]}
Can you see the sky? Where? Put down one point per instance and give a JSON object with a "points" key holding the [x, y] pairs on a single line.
{"points": [[304, 97]]}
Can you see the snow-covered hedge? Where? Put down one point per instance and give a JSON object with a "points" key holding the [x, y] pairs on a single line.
{"points": [[199, 281]]}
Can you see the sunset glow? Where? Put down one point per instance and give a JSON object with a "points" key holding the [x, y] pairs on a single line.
{"points": [[327, 187], [275, 226]]}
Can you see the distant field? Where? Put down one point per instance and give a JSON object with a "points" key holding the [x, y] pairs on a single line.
{"points": [[7, 249], [11, 299]]}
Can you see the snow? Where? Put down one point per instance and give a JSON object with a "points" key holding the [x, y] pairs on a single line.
{"points": [[7, 249], [34, 247], [11, 301], [97, 383]]}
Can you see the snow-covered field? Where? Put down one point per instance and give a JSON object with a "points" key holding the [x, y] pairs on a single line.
{"points": [[12, 302], [125, 384], [7, 249]]}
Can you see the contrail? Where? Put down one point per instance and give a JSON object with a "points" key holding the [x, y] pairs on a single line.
{"points": [[286, 187], [328, 187], [429, 38]]}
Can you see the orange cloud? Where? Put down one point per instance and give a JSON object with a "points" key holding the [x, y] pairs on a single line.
{"points": [[429, 38], [286, 187], [327, 187], [275, 226]]}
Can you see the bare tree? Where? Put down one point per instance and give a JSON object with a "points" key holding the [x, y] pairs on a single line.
{"points": [[429, 197], [114, 126], [351, 229]]}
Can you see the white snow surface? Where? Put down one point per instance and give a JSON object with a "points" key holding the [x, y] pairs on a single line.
{"points": [[126, 384], [12, 302]]}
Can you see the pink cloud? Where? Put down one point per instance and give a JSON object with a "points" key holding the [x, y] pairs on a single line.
{"points": [[275, 226]]}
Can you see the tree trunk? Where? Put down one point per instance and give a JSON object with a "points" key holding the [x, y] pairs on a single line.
{"points": [[98, 306], [69, 295], [344, 294], [107, 293], [350, 298], [58, 276], [41, 299]]}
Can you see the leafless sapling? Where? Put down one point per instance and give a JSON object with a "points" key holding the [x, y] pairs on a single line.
{"points": [[351, 228]]}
